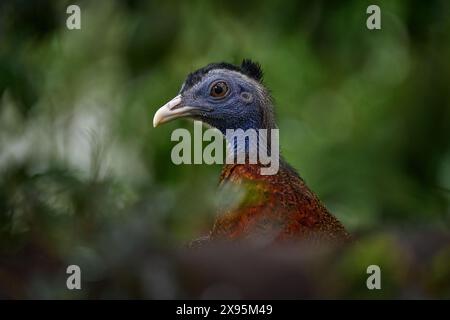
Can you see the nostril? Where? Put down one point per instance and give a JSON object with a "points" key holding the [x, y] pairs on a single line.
{"points": [[178, 106]]}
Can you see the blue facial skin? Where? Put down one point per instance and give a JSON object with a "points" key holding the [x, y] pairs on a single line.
{"points": [[238, 109]]}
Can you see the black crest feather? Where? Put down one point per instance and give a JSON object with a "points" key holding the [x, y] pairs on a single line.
{"points": [[252, 69], [247, 67]]}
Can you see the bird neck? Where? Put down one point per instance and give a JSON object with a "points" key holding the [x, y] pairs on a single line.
{"points": [[255, 148]]}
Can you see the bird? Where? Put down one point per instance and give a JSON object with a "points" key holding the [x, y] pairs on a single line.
{"points": [[275, 208]]}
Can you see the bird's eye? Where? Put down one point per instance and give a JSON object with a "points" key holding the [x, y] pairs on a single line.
{"points": [[219, 90]]}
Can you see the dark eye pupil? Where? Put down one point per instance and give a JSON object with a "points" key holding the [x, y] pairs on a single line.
{"points": [[218, 89]]}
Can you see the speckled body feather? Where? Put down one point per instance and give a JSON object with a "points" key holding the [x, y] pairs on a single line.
{"points": [[278, 207]]}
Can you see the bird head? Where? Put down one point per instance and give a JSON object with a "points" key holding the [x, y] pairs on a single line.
{"points": [[224, 96]]}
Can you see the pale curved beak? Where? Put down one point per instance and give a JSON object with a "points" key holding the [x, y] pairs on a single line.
{"points": [[172, 110]]}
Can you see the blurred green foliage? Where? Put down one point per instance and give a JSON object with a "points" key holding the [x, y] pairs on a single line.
{"points": [[363, 115]]}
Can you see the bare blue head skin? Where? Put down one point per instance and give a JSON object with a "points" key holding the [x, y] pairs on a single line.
{"points": [[224, 96]]}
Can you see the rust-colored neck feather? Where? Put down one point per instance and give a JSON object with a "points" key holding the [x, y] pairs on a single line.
{"points": [[275, 207]]}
